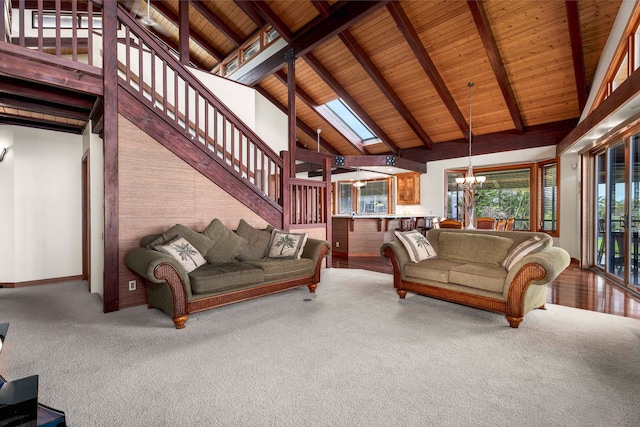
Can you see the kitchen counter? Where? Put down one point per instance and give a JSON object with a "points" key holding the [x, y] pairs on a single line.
{"points": [[362, 235]]}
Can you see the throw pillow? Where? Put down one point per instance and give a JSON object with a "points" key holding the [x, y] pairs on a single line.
{"points": [[183, 251], [286, 245], [227, 245], [521, 251], [417, 245], [258, 241], [199, 241]]}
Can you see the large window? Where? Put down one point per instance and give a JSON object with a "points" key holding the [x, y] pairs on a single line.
{"points": [[510, 192], [371, 199]]}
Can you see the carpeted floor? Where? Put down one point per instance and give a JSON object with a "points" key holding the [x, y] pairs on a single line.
{"points": [[353, 354]]}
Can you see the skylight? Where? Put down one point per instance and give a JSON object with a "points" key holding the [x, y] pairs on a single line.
{"points": [[351, 120]]}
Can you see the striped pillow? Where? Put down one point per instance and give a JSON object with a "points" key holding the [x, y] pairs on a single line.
{"points": [[416, 244], [521, 251]]}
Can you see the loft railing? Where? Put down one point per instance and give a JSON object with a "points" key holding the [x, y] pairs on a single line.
{"points": [[158, 79], [73, 30]]}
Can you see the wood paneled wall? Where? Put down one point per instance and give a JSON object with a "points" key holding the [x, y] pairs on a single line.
{"points": [[158, 190]]}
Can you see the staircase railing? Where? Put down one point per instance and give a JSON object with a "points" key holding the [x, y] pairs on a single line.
{"points": [[170, 89], [148, 69]]}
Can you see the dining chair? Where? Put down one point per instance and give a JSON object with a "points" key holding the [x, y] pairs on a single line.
{"points": [[510, 224], [485, 223], [501, 224], [435, 222], [407, 224], [450, 223]]}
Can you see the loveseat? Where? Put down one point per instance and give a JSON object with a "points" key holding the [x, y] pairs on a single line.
{"points": [[504, 272], [186, 271]]}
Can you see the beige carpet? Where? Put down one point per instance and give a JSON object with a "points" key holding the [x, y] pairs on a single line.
{"points": [[353, 354]]}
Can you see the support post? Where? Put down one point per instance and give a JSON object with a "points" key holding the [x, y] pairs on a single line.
{"points": [[291, 89]]}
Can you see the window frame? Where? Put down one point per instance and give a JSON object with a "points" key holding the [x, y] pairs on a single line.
{"points": [[535, 196], [540, 196], [355, 196]]}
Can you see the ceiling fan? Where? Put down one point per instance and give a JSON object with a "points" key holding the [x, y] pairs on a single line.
{"points": [[149, 22]]}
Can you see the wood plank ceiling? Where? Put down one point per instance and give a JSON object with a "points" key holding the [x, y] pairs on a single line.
{"points": [[403, 66]]}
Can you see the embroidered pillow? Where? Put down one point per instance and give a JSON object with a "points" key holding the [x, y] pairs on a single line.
{"points": [[522, 250], [183, 251], [417, 245], [286, 245]]}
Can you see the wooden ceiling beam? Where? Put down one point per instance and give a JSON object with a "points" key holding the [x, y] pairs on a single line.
{"points": [[331, 81], [222, 26], [534, 136], [385, 87], [274, 20], [55, 95], [363, 161], [408, 31], [194, 35], [495, 59], [43, 107], [13, 120], [320, 110], [299, 123], [341, 18], [250, 11], [575, 34], [627, 91]]}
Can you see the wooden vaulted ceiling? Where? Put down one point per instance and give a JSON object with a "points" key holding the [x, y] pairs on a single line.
{"points": [[404, 66]]}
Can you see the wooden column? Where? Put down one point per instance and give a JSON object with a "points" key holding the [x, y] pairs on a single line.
{"points": [[183, 31], [286, 191], [326, 177], [111, 221], [291, 88]]}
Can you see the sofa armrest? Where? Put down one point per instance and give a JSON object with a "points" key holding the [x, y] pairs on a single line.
{"points": [[554, 260], [396, 249], [313, 249], [316, 250], [144, 262]]}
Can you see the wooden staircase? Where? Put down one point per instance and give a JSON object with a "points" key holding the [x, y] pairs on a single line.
{"points": [[164, 99]]}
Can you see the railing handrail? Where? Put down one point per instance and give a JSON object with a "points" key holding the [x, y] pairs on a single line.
{"points": [[179, 68]]}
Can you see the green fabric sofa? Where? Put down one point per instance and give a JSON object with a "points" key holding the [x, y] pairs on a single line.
{"points": [[480, 268], [219, 266]]}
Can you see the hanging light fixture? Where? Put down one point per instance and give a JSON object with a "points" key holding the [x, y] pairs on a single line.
{"points": [[359, 183], [469, 181]]}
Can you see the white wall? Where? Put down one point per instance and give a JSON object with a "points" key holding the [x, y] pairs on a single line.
{"points": [[46, 206], [95, 160], [262, 117], [7, 212]]}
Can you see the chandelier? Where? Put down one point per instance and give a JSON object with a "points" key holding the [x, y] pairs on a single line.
{"points": [[359, 183], [470, 180]]}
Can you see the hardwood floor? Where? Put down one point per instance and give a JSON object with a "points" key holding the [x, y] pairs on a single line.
{"points": [[575, 287]]}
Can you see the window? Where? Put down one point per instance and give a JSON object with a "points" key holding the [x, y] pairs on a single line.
{"points": [[66, 20], [548, 197], [372, 198], [251, 50], [270, 36], [346, 198], [231, 66], [510, 192], [351, 120]]}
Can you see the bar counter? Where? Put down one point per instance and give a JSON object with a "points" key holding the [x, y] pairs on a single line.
{"points": [[362, 235]]}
